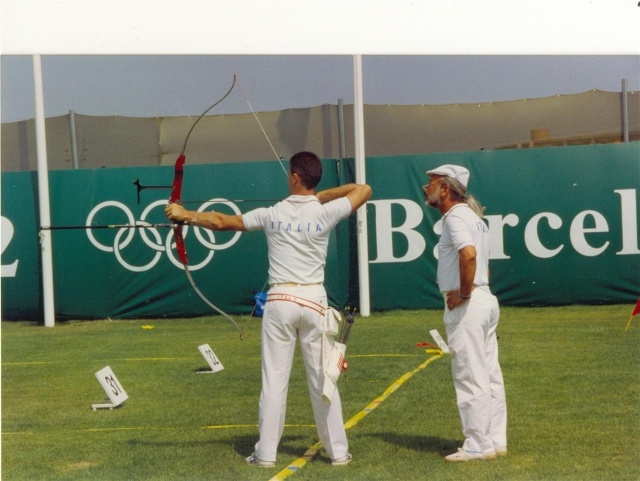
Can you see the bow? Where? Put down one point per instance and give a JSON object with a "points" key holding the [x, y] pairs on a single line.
{"points": [[176, 197]]}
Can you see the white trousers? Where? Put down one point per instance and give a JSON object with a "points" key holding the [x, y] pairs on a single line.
{"points": [[283, 323], [477, 377]]}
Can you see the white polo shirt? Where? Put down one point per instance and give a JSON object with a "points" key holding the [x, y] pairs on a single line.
{"points": [[297, 230], [462, 227]]}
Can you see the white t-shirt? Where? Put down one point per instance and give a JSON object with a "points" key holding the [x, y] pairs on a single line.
{"points": [[461, 228], [297, 230]]}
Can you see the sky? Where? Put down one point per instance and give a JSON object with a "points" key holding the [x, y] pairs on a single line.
{"points": [[149, 58], [178, 85]]}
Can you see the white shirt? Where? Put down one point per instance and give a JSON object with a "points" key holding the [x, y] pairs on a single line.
{"points": [[461, 228], [297, 230]]}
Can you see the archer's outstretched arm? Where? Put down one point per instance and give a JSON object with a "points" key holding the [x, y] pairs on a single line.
{"points": [[208, 220]]}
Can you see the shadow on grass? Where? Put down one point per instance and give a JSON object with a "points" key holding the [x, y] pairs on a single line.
{"points": [[419, 444], [290, 445], [243, 445]]}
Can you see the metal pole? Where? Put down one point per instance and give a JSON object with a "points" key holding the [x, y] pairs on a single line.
{"points": [[343, 149], [361, 178], [43, 197], [74, 145], [625, 111]]}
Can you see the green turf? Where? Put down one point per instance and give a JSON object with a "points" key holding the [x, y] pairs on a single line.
{"points": [[572, 379]]}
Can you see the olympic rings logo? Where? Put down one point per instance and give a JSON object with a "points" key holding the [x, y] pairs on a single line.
{"points": [[153, 238]]}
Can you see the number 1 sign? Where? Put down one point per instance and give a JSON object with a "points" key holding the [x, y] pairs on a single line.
{"points": [[112, 387]]}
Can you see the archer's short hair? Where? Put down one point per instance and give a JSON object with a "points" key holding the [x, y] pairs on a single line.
{"points": [[308, 167]]}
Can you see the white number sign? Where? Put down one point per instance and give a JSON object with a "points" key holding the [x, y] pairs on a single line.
{"points": [[112, 387], [441, 344], [211, 358]]}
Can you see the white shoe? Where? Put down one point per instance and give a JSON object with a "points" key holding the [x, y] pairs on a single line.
{"points": [[342, 461], [462, 456], [255, 461]]}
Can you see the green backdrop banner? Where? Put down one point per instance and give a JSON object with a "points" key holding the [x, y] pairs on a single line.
{"points": [[563, 223], [135, 273]]}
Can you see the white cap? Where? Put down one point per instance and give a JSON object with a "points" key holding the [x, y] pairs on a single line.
{"points": [[454, 171]]}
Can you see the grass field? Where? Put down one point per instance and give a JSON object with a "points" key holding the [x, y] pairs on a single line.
{"points": [[572, 376]]}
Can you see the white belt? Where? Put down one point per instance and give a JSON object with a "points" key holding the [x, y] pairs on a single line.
{"points": [[280, 296], [294, 284]]}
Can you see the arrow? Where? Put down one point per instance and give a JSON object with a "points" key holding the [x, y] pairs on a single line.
{"points": [[108, 226]]}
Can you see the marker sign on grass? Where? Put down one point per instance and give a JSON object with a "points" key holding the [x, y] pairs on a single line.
{"points": [[112, 387], [211, 358], [441, 344]]}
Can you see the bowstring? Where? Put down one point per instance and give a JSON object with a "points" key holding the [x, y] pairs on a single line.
{"points": [[264, 132], [278, 157]]}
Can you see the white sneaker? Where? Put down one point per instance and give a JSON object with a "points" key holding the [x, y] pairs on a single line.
{"points": [[342, 461], [255, 461], [463, 455]]}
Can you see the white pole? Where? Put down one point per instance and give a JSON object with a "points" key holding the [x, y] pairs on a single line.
{"points": [[361, 178], [625, 111], [43, 195]]}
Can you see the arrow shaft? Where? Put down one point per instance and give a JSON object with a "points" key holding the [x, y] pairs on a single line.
{"points": [[107, 226], [235, 201]]}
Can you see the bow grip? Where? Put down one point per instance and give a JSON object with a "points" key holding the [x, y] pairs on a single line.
{"points": [[176, 188], [176, 197]]}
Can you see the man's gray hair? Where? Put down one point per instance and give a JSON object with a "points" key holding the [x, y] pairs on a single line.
{"points": [[461, 192]]}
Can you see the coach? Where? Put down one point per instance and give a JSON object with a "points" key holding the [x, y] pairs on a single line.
{"points": [[470, 316]]}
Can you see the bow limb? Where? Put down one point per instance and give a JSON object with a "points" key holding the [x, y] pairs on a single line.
{"points": [[184, 146], [182, 254], [176, 197], [208, 302]]}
